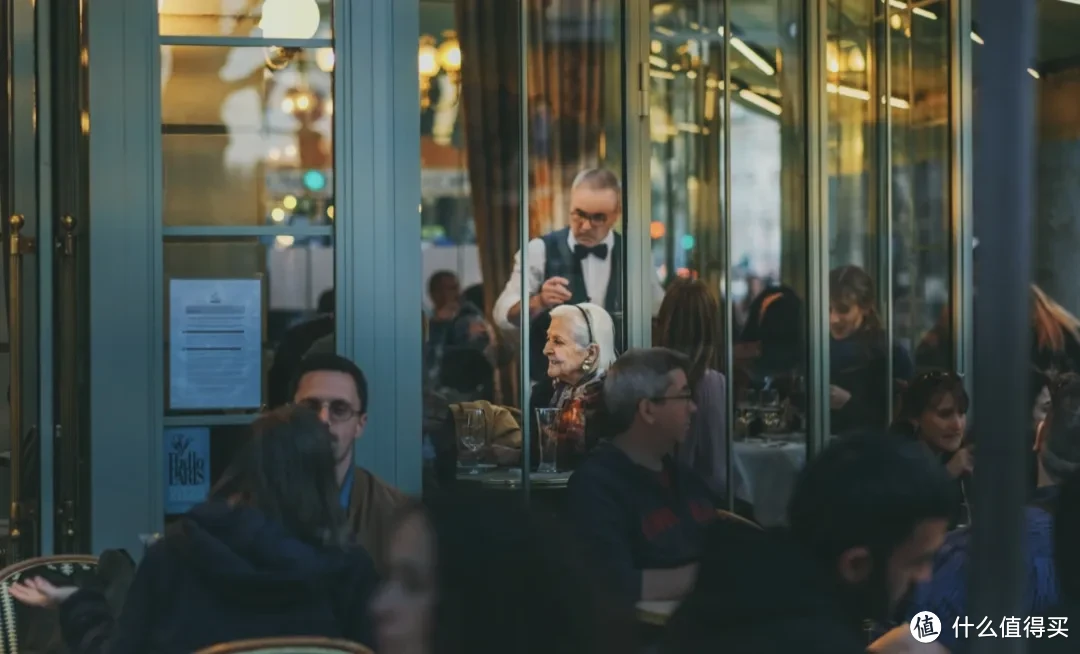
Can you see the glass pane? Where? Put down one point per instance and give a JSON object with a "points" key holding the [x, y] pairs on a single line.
{"points": [[470, 196], [889, 163], [247, 136], [279, 19], [1057, 239], [769, 248], [296, 281], [922, 248], [688, 197]]}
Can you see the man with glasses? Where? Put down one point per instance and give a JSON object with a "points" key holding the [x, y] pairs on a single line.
{"points": [[336, 389], [573, 265], [641, 514]]}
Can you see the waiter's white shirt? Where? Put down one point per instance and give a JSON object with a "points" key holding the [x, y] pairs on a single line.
{"points": [[596, 271]]}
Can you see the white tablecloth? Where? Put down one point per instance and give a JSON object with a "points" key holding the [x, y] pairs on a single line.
{"points": [[767, 472]]}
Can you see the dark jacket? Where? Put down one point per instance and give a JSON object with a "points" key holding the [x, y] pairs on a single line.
{"points": [[858, 364], [632, 519], [226, 573], [758, 593], [946, 594]]}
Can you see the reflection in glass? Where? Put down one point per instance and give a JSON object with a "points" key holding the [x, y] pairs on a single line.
{"points": [[889, 198], [297, 276], [769, 244], [921, 180], [271, 19], [686, 92], [243, 144], [469, 55]]}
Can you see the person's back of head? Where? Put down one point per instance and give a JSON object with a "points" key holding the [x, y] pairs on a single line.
{"points": [[867, 500], [286, 471], [687, 323], [1059, 437], [641, 374]]}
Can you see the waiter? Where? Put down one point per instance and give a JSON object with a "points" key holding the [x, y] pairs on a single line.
{"points": [[573, 265]]}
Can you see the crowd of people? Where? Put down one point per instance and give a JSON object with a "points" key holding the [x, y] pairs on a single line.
{"points": [[295, 538]]}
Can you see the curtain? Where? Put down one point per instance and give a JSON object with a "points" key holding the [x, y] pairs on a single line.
{"points": [[565, 78]]}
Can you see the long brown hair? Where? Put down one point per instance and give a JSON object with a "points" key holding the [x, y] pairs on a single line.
{"points": [[852, 285], [687, 323], [1051, 322]]}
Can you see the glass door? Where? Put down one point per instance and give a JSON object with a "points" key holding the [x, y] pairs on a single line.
{"points": [[19, 435], [247, 214], [70, 222]]}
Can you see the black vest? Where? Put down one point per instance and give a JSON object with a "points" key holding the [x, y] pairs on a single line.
{"points": [[559, 261]]}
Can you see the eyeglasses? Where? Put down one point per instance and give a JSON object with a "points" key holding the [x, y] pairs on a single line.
{"points": [[338, 410], [597, 219], [940, 375]]}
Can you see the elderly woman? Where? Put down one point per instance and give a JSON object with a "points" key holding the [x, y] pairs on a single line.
{"points": [[580, 348]]}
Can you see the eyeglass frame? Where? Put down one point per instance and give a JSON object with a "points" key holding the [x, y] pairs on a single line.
{"points": [[310, 403], [595, 219]]}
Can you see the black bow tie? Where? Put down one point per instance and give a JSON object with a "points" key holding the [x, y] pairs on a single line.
{"points": [[598, 251]]}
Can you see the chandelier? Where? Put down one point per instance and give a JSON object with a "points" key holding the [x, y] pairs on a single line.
{"points": [[435, 58]]}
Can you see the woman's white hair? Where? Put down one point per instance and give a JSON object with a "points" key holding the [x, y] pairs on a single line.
{"points": [[603, 329]]}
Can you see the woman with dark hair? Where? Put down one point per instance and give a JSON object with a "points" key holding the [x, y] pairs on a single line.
{"points": [[264, 556], [933, 410], [482, 575], [858, 351], [687, 323]]}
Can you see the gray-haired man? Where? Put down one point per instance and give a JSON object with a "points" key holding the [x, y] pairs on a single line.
{"points": [[640, 513]]}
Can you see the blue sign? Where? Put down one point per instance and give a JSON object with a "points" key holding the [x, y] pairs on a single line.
{"points": [[187, 467]]}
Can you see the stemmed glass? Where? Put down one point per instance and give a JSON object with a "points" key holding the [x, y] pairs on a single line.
{"points": [[472, 435]]}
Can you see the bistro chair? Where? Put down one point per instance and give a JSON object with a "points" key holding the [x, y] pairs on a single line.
{"points": [[29, 628], [288, 645], [736, 518]]}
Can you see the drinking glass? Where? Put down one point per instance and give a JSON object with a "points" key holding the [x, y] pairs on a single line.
{"points": [[472, 435], [547, 437], [771, 411]]}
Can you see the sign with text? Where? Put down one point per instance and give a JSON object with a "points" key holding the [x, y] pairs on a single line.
{"points": [[187, 467], [215, 343]]}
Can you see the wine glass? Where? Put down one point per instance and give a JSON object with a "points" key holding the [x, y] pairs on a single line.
{"points": [[472, 435]]}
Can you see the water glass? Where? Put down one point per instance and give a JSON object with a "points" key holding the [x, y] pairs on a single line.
{"points": [[547, 437]]}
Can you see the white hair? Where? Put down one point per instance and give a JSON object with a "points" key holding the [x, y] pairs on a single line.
{"points": [[599, 320]]}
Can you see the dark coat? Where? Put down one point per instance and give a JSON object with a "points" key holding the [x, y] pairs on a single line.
{"points": [[221, 574]]}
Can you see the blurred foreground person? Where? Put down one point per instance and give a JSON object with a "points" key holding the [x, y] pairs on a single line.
{"points": [[479, 574], [263, 557], [865, 520]]}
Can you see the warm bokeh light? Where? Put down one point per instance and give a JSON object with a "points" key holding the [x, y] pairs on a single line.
{"points": [[290, 19]]}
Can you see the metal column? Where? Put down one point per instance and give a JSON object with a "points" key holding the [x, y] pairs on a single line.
{"points": [[1004, 204]]}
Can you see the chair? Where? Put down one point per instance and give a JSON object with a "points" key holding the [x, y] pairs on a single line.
{"points": [[288, 645], [735, 517], [28, 628]]}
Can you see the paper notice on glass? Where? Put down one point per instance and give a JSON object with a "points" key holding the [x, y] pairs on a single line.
{"points": [[215, 343]]}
